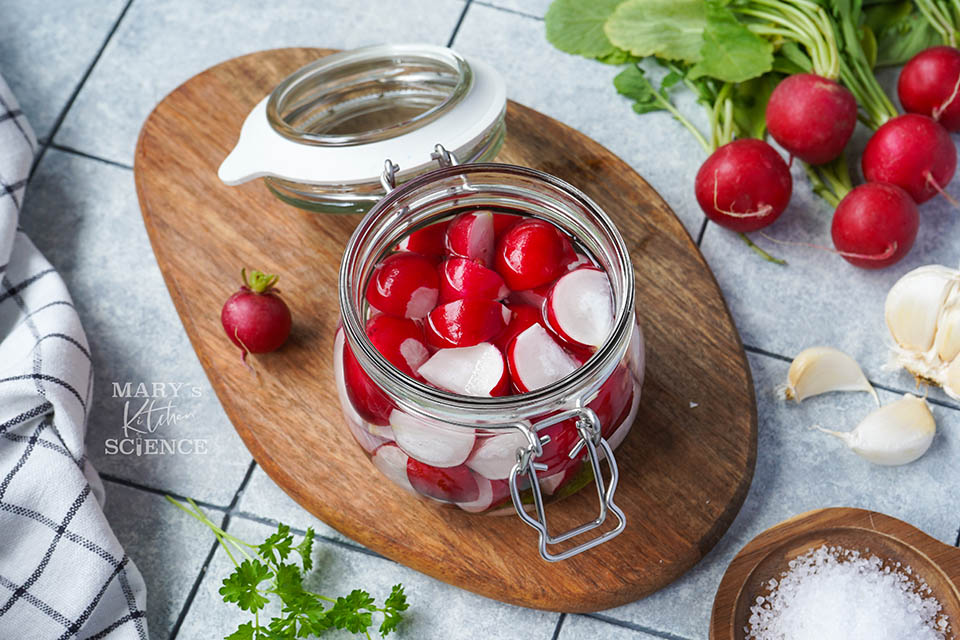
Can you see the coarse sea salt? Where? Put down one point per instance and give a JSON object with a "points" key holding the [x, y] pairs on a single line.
{"points": [[835, 593]]}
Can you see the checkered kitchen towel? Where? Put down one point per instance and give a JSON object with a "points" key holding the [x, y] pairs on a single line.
{"points": [[62, 572]]}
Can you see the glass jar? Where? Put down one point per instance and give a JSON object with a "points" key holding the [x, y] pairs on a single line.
{"points": [[319, 139], [483, 452]]}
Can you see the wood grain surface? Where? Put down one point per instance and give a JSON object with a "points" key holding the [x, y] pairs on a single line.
{"points": [[684, 471], [891, 540]]}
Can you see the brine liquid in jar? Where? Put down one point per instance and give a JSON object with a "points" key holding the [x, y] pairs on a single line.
{"points": [[484, 303]]}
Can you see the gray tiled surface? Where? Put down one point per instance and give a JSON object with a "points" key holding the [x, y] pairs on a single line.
{"points": [[82, 213]]}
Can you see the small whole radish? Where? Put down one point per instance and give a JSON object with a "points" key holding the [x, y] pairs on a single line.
{"points": [[913, 152], [256, 318], [875, 225], [930, 85], [744, 186], [811, 117]]}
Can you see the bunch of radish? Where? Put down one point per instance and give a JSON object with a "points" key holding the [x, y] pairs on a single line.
{"points": [[484, 304], [745, 185]]}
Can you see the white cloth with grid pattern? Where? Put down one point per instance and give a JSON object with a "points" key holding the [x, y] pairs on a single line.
{"points": [[63, 574]]}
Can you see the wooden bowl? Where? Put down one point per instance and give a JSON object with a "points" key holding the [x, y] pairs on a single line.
{"points": [[891, 540]]}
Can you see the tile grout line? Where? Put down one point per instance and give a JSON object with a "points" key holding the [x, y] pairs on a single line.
{"points": [[509, 10], [776, 356], [89, 156], [76, 91], [456, 28], [130, 484], [224, 523], [634, 627], [556, 629]]}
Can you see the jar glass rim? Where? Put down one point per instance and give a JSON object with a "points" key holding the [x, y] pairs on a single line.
{"points": [[388, 59], [382, 371]]}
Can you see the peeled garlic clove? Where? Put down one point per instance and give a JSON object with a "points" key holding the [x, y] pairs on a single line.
{"points": [[913, 305], [951, 382], [892, 435], [823, 369], [948, 332]]}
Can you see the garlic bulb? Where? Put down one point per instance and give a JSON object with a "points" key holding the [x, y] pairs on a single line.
{"points": [[823, 369], [923, 315], [895, 434]]}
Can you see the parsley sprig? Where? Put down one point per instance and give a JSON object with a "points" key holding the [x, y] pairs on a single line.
{"points": [[264, 571]]}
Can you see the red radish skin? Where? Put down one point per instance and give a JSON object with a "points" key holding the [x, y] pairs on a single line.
{"points": [[521, 317], [930, 85], [533, 297], [462, 278], [367, 399], [452, 484], [429, 241], [492, 493], [579, 307], [464, 323], [531, 254], [811, 117], [912, 152], [471, 235], [399, 340], [875, 225], [255, 318], [744, 186], [405, 285], [503, 222], [479, 371]]}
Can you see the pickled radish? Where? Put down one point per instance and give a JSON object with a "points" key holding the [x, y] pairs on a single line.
{"points": [[428, 241], [494, 456], [471, 235], [431, 441], [392, 462], [367, 441], [521, 317], [399, 340], [369, 401], [405, 284], [450, 484], [532, 253], [479, 370], [465, 323], [580, 307], [461, 278], [536, 360]]}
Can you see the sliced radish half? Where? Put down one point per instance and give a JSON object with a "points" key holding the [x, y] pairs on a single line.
{"points": [[580, 261], [471, 235], [492, 493], [368, 400], [625, 424], [464, 278], [451, 484], [405, 284], [478, 371], [533, 297], [464, 323], [536, 360], [364, 438], [392, 462], [430, 441], [349, 413], [532, 253], [494, 456], [428, 241], [522, 316], [580, 307], [551, 484], [399, 340]]}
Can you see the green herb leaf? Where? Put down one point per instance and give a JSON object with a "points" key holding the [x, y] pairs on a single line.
{"points": [[305, 549], [243, 632], [671, 29], [750, 100], [353, 612], [576, 26], [632, 83], [276, 547], [900, 32], [730, 51], [241, 585]]}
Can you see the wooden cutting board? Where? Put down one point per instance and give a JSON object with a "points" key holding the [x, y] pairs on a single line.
{"points": [[872, 533], [685, 469]]}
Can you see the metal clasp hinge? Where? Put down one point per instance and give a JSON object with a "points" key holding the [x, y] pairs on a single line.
{"points": [[588, 427], [388, 178]]}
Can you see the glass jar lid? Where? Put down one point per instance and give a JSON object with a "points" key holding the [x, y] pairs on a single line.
{"points": [[326, 130]]}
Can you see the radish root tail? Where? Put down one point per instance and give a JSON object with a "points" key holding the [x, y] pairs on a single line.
{"points": [[938, 111], [939, 189], [243, 353], [887, 253], [762, 212]]}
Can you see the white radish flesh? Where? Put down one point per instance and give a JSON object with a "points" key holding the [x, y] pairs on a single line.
{"points": [[580, 307], [392, 462], [430, 441], [495, 456], [536, 359], [478, 371], [483, 501]]}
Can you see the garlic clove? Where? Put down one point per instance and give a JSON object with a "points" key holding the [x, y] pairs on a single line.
{"points": [[913, 305], [948, 331], [823, 369], [895, 434], [951, 382]]}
